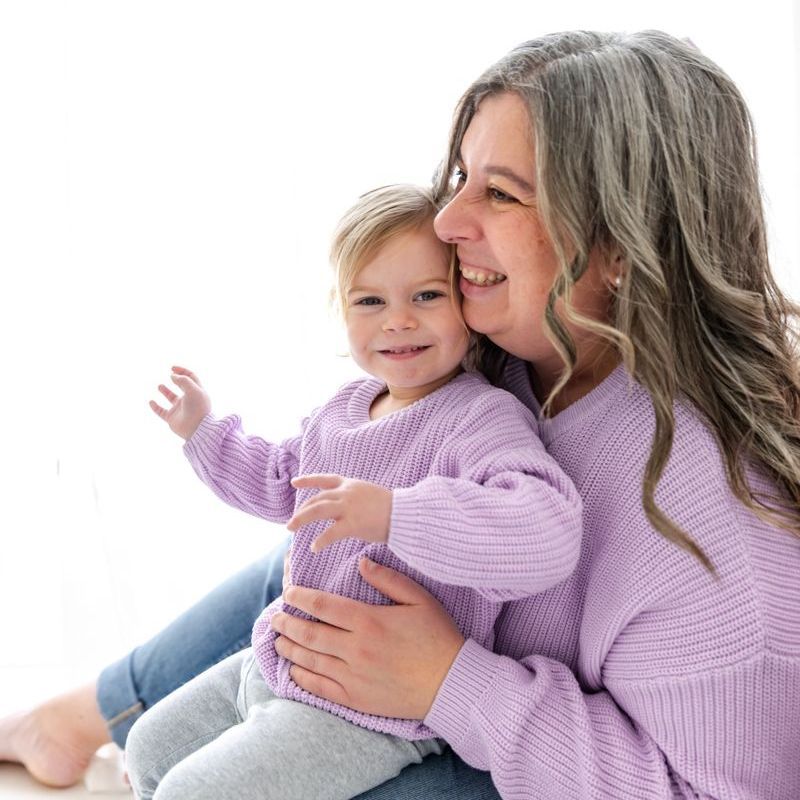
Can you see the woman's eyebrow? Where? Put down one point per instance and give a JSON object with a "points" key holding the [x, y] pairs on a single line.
{"points": [[506, 172]]}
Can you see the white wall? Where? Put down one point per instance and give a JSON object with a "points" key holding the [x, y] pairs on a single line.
{"points": [[170, 172]]}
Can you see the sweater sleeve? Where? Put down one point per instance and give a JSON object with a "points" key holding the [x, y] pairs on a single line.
{"points": [[542, 736], [508, 524], [246, 472]]}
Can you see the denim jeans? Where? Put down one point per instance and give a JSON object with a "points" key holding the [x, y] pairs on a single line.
{"points": [[219, 625]]}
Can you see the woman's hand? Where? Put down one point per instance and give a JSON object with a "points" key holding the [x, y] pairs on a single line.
{"points": [[358, 509], [386, 660], [287, 569], [186, 411]]}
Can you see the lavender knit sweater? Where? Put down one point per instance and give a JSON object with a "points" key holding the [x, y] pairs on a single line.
{"points": [[641, 676], [481, 513]]}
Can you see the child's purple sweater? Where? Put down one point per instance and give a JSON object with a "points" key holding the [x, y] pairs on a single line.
{"points": [[481, 513]]}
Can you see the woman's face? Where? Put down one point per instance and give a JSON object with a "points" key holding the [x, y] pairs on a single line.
{"points": [[508, 263]]}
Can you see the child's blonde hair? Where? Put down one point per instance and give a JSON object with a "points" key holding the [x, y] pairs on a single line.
{"points": [[368, 225]]}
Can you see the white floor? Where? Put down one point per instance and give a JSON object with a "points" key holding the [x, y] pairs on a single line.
{"points": [[17, 784]]}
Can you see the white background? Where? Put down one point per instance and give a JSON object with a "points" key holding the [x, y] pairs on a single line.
{"points": [[170, 173]]}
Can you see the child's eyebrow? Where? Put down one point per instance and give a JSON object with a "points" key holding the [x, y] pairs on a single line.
{"points": [[379, 289]]}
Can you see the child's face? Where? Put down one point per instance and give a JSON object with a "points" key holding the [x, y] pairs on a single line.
{"points": [[403, 323]]}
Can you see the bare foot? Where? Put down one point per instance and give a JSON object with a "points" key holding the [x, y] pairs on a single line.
{"points": [[56, 740]]}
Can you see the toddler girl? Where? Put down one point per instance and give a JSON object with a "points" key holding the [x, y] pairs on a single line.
{"points": [[423, 467]]}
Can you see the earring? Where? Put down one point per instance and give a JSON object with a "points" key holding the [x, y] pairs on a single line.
{"points": [[618, 281]]}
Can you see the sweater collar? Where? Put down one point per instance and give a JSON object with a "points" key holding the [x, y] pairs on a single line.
{"points": [[368, 390], [592, 405]]}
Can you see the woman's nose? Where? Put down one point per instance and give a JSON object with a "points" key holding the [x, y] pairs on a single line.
{"points": [[455, 223]]}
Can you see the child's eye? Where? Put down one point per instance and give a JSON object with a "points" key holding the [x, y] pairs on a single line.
{"points": [[368, 301], [429, 295]]}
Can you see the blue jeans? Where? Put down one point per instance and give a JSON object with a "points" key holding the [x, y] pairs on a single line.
{"points": [[220, 625]]}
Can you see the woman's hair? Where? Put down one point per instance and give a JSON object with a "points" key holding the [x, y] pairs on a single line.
{"points": [[645, 148], [368, 225]]}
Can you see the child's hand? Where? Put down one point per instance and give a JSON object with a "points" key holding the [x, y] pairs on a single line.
{"points": [[186, 411], [358, 509]]}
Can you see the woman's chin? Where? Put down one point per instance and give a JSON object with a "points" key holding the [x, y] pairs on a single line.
{"points": [[479, 317]]}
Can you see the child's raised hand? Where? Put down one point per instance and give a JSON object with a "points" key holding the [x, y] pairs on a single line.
{"points": [[358, 509], [186, 411]]}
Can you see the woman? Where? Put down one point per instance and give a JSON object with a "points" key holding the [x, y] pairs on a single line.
{"points": [[608, 223]]}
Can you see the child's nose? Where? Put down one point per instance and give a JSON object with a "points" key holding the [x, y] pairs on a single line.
{"points": [[399, 320]]}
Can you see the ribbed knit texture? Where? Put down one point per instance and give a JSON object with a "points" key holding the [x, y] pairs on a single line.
{"points": [[640, 659], [480, 512]]}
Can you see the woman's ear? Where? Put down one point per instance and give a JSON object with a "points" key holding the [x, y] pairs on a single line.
{"points": [[615, 268]]}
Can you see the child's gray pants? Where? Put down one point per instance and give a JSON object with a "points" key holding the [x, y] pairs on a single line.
{"points": [[225, 736]]}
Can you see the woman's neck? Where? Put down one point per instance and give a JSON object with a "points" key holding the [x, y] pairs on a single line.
{"points": [[586, 376]]}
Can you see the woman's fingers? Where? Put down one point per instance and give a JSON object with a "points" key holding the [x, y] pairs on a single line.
{"points": [[320, 685], [333, 609], [318, 637], [393, 584], [319, 663]]}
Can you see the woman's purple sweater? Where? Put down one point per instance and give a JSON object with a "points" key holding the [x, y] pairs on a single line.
{"points": [[642, 676]]}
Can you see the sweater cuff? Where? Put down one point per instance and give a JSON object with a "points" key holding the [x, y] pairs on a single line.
{"points": [[205, 432], [404, 525], [452, 715]]}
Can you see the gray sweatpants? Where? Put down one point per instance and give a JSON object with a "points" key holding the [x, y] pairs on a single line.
{"points": [[225, 736]]}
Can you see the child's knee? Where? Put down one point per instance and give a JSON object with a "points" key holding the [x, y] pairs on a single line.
{"points": [[142, 751], [186, 782]]}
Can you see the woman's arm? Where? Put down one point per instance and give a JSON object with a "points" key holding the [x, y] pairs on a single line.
{"points": [[410, 645], [540, 733]]}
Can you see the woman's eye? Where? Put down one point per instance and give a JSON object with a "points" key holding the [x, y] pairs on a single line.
{"points": [[368, 301], [458, 178], [500, 196]]}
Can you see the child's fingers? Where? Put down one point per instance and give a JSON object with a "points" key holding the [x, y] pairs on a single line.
{"points": [[167, 392], [162, 412], [311, 511], [187, 372], [184, 382], [329, 536], [316, 481]]}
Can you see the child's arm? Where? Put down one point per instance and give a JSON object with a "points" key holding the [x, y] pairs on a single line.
{"points": [[509, 525], [246, 472]]}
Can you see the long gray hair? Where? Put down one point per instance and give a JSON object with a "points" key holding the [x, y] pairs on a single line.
{"points": [[645, 147]]}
